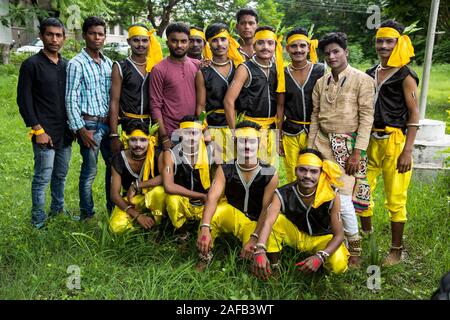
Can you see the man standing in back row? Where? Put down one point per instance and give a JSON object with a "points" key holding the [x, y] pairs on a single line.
{"points": [[172, 85]]}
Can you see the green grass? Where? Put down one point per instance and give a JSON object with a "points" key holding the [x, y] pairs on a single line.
{"points": [[33, 264]]}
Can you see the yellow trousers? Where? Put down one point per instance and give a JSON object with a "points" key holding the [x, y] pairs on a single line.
{"points": [[228, 219], [383, 155], [121, 221], [179, 210], [292, 146], [287, 233], [222, 137]]}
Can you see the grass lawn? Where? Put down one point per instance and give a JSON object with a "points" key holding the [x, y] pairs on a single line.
{"points": [[33, 264]]}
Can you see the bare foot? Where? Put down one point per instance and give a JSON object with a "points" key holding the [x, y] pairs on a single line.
{"points": [[395, 256], [354, 262]]}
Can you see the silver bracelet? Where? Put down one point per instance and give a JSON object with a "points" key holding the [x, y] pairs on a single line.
{"points": [[260, 245], [254, 234], [207, 225], [127, 207], [323, 255]]}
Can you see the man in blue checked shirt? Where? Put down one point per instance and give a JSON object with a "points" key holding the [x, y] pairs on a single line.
{"points": [[87, 103]]}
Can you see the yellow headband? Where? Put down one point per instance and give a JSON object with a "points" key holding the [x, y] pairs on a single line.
{"points": [[138, 133], [387, 32], [313, 44], [233, 48], [137, 31], [191, 125], [403, 50], [247, 132], [154, 54], [267, 34], [197, 33], [309, 159], [329, 176]]}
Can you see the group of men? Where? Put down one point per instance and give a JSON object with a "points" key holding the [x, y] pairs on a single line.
{"points": [[198, 139]]}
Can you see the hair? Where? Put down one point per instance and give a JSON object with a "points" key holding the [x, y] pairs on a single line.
{"points": [[138, 25], [177, 27], [248, 124], [339, 38], [135, 124], [298, 30], [93, 22], [313, 151], [189, 118], [261, 28], [214, 29], [393, 24], [51, 22], [246, 12]]}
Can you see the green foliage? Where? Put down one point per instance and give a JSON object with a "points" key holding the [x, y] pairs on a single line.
{"points": [[355, 54], [270, 13], [18, 58], [71, 48]]}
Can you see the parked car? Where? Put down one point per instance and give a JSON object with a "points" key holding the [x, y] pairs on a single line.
{"points": [[33, 47], [119, 47]]}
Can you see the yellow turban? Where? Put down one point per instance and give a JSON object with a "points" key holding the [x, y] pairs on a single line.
{"points": [[233, 46], [247, 132], [202, 163], [154, 54], [403, 50], [149, 163], [313, 44], [267, 34], [328, 177]]}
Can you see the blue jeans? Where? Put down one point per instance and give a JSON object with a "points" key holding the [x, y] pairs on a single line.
{"points": [[50, 165], [89, 168]]}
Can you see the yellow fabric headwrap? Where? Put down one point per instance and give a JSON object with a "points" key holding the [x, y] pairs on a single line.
{"points": [[403, 50], [149, 163], [202, 160], [154, 54], [313, 44], [267, 34], [328, 177], [233, 46], [246, 133]]}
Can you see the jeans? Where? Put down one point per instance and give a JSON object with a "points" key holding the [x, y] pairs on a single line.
{"points": [[50, 165], [89, 168]]}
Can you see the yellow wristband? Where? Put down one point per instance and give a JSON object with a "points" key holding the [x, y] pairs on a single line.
{"points": [[35, 132]]}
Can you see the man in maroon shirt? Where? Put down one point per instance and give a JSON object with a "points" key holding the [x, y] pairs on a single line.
{"points": [[172, 85]]}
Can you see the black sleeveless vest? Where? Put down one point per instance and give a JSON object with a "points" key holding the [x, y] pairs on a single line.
{"points": [[298, 99], [121, 165], [309, 220], [216, 88], [184, 174], [259, 99], [390, 104], [134, 95], [247, 198]]}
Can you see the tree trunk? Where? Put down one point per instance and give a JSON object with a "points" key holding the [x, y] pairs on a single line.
{"points": [[5, 53]]}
